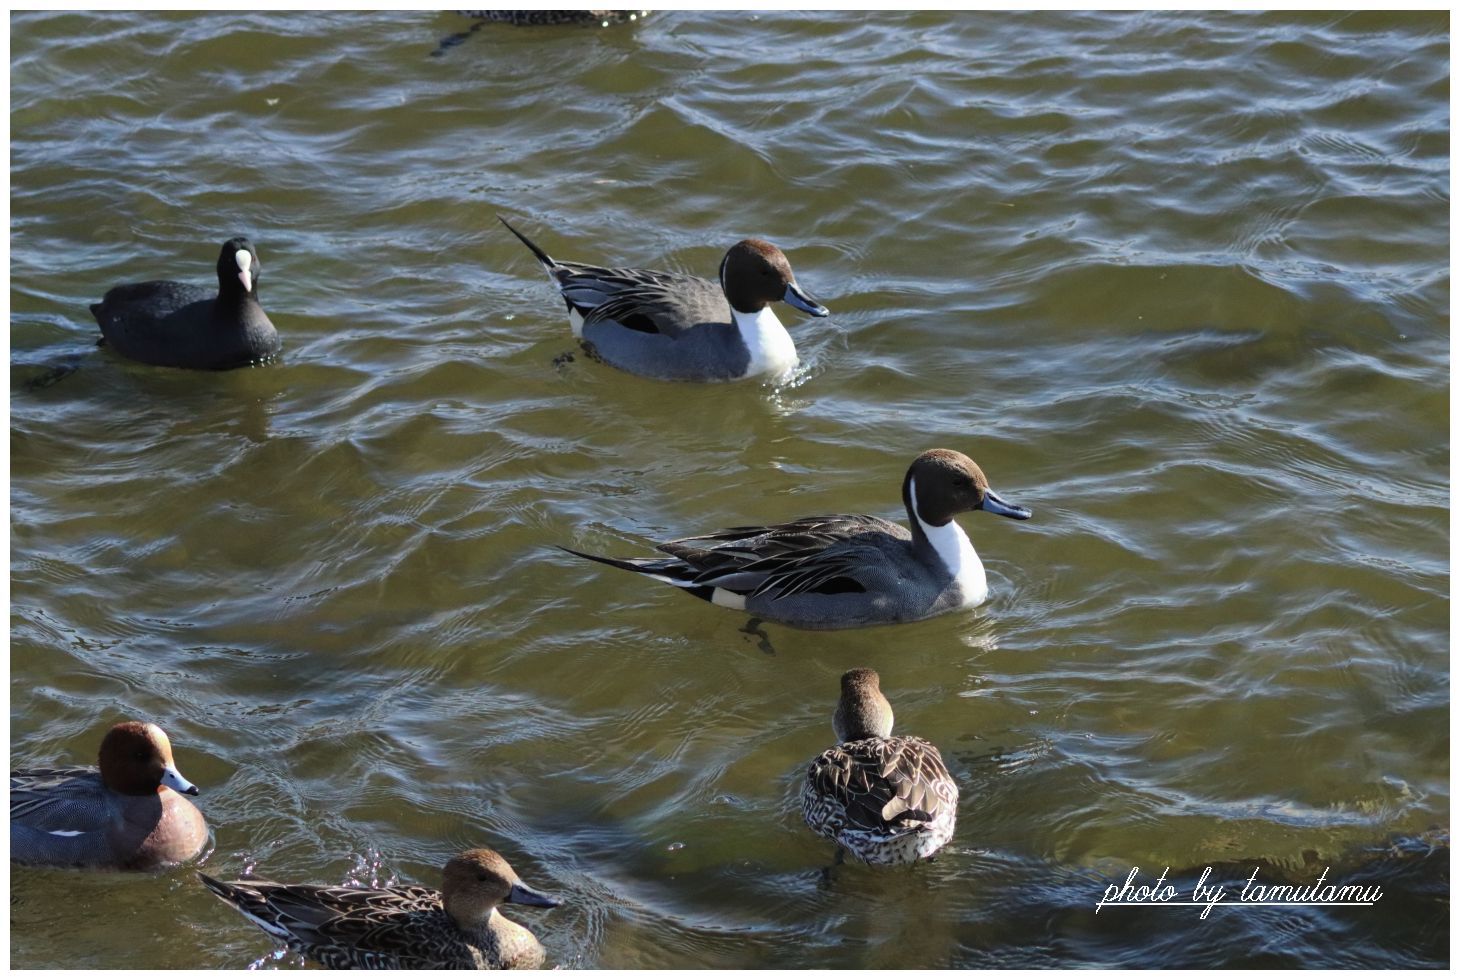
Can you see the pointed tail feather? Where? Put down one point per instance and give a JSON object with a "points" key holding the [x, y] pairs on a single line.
{"points": [[659, 568], [229, 891], [670, 571], [250, 903], [215, 886], [543, 257]]}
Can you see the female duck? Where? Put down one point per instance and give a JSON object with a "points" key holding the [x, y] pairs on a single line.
{"points": [[124, 813], [886, 799], [405, 927]]}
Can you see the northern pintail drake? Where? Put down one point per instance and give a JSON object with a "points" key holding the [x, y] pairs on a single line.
{"points": [[845, 570], [128, 812], [678, 327], [172, 324], [405, 927], [886, 799]]}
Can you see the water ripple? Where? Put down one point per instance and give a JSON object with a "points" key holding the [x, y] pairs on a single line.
{"points": [[1179, 281]]}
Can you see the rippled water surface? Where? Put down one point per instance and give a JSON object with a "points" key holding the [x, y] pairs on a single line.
{"points": [[1178, 282]]}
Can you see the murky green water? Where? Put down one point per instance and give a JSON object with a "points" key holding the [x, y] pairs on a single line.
{"points": [[1178, 282]]}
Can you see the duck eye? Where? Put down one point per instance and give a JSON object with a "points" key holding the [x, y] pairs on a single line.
{"points": [[481, 877]]}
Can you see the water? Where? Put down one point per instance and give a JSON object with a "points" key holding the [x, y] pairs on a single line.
{"points": [[1179, 282]]}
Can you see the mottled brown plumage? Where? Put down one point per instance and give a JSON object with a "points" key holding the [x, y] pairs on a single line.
{"points": [[404, 927], [886, 799]]}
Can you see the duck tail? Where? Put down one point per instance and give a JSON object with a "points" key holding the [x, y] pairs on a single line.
{"points": [[249, 901], [670, 571], [543, 257], [229, 892], [215, 886]]}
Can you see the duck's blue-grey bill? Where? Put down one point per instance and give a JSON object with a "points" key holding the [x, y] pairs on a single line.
{"points": [[995, 504], [804, 303], [523, 895], [174, 780]]}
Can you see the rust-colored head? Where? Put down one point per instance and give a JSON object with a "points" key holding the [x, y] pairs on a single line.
{"points": [[136, 759]]}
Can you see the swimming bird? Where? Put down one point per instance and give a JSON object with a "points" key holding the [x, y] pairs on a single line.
{"points": [[404, 927], [844, 570], [886, 799], [124, 813], [536, 18], [679, 327], [172, 324]]}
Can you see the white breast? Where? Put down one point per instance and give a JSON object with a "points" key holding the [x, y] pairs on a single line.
{"points": [[772, 351], [957, 553]]}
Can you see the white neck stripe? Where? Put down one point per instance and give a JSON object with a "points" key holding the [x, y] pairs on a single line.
{"points": [[954, 550], [772, 352]]}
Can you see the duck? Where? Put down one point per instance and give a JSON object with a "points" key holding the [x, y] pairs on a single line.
{"points": [[677, 327], [541, 18], [173, 324], [129, 812], [844, 570], [885, 799], [403, 927]]}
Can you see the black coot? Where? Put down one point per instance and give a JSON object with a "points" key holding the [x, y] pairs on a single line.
{"points": [[173, 324]]}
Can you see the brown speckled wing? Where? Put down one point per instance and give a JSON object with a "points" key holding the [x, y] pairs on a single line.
{"points": [[885, 783], [344, 927]]}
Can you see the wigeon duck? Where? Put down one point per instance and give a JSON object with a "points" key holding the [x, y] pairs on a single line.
{"points": [[128, 812]]}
